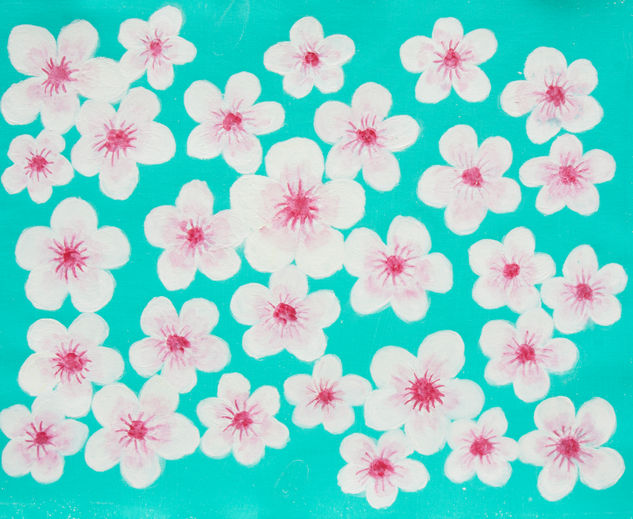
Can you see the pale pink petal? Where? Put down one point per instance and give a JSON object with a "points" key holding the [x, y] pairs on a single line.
{"points": [[101, 79], [329, 79], [602, 468], [381, 496], [435, 185], [613, 277], [181, 438], [589, 114], [119, 181], [442, 354], [433, 86], [390, 362], [355, 389], [531, 383], [297, 83], [307, 347], [254, 199], [14, 419], [495, 473], [463, 399], [180, 51], [540, 131], [249, 451], [549, 202], [338, 419], [145, 356], [537, 323], [140, 469], [458, 146], [17, 460], [249, 302], [220, 264], [331, 121], [342, 203], [412, 474], [155, 144], [306, 31], [483, 254], [37, 374], [582, 77], [399, 132], [503, 195], [494, 420], [355, 447], [446, 30], [40, 193], [202, 98], [92, 290], [410, 307], [212, 354], [581, 261], [77, 41], [199, 315], [562, 355], [298, 388], [585, 201], [132, 63], [167, 20], [103, 450], [544, 62], [21, 102], [342, 162], [436, 273], [499, 373], [557, 480], [106, 365], [600, 166], [489, 294], [160, 75], [29, 47], [111, 402], [175, 269], [596, 418], [367, 298], [554, 413], [482, 45], [521, 299], [260, 341], [360, 247], [495, 156], [48, 468], [269, 250], [320, 254], [266, 398], [14, 179], [45, 290], [307, 416], [427, 432], [297, 157], [495, 335], [371, 98], [158, 397], [459, 467], [281, 58], [381, 170], [215, 444], [536, 172], [472, 84], [59, 112], [244, 154], [335, 50], [384, 410], [264, 118], [519, 98], [533, 448], [71, 437], [44, 335], [322, 308], [242, 89], [417, 53]]}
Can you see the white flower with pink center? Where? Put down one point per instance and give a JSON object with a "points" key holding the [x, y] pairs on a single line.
{"points": [[69, 361], [449, 59], [138, 433], [292, 214], [59, 71], [397, 274], [585, 292], [524, 355], [480, 448], [555, 95], [474, 181], [241, 422], [38, 165], [194, 238], [72, 256], [364, 137], [154, 46], [379, 469], [230, 122], [178, 344], [113, 141], [509, 270], [310, 59], [39, 439], [284, 316], [568, 176], [422, 392], [326, 397], [568, 444]]}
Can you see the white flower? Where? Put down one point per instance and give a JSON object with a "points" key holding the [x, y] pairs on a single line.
{"points": [[525, 355], [379, 469], [474, 181], [309, 59], [509, 270], [241, 422], [397, 274], [69, 361], [364, 138], [481, 448], [230, 122], [557, 95], [293, 214], [71, 256], [326, 397], [285, 316], [38, 165], [421, 392], [59, 72], [194, 238], [113, 142], [567, 444], [39, 439], [138, 433], [585, 292], [449, 59], [179, 344], [154, 46]]}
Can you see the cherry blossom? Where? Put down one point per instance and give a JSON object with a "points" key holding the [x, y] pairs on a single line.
{"points": [[194, 238], [397, 274], [285, 316], [69, 361], [480, 448], [567, 444], [309, 59], [178, 344], [585, 292], [38, 165], [326, 397], [449, 59], [473, 183], [555, 95], [379, 469], [138, 433], [39, 439], [58, 72], [292, 214], [72, 256], [230, 122], [525, 354], [364, 138], [241, 422], [508, 271], [154, 46], [568, 176], [421, 392], [113, 142]]}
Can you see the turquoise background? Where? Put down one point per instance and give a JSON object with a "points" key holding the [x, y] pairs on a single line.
{"points": [[300, 480]]}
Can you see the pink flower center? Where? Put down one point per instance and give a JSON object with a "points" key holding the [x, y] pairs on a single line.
{"points": [[240, 420], [367, 136], [155, 47], [57, 76], [232, 120], [424, 392], [380, 468], [39, 438], [70, 362], [136, 430], [568, 174], [195, 236], [70, 257], [325, 395], [472, 177], [177, 343], [481, 446], [37, 164], [285, 313], [525, 353], [511, 270], [566, 446], [311, 59], [298, 208], [555, 94], [394, 265], [116, 141], [583, 292], [451, 59]]}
